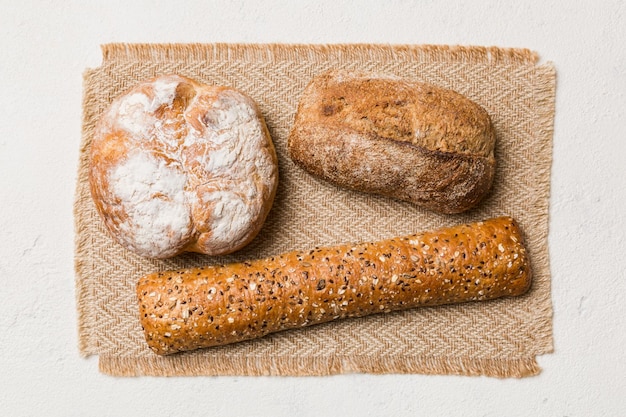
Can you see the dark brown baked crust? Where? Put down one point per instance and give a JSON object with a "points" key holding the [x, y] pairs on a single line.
{"points": [[203, 307], [407, 140]]}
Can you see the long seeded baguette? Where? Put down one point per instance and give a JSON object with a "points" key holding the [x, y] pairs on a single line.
{"points": [[203, 307]]}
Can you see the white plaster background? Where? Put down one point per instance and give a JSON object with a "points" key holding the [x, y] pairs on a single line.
{"points": [[46, 45]]}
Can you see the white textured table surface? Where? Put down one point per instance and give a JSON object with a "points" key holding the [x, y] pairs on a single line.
{"points": [[45, 46]]}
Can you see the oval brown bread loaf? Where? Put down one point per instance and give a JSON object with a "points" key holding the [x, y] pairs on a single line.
{"points": [[403, 139], [196, 308]]}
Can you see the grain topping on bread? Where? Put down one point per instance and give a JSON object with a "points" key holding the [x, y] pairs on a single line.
{"points": [[202, 307]]}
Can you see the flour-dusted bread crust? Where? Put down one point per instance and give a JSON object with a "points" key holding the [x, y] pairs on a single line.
{"points": [[403, 139], [203, 307], [181, 166]]}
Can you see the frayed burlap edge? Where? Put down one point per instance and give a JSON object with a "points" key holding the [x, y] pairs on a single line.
{"points": [[544, 95], [82, 262], [121, 52], [318, 366]]}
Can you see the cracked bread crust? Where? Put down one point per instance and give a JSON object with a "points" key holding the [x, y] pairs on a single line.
{"points": [[181, 166], [406, 140]]}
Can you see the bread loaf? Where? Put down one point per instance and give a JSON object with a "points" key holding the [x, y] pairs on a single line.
{"points": [[196, 308], [403, 139], [181, 166]]}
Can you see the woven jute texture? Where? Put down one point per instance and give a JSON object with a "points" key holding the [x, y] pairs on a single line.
{"points": [[498, 338]]}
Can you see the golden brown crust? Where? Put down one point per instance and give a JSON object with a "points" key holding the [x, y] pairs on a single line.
{"points": [[178, 166], [407, 140], [203, 307]]}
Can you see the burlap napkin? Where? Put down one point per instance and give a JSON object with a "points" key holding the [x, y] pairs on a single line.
{"points": [[499, 338]]}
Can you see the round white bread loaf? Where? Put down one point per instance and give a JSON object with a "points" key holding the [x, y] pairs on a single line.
{"points": [[181, 166]]}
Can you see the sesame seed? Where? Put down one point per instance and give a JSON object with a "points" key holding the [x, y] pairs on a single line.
{"points": [[231, 320], [253, 286], [500, 247], [394, 278]]}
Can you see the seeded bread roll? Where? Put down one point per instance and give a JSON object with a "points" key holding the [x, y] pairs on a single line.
{"points": [[179, 166], [407, 140], [197, 308]]}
